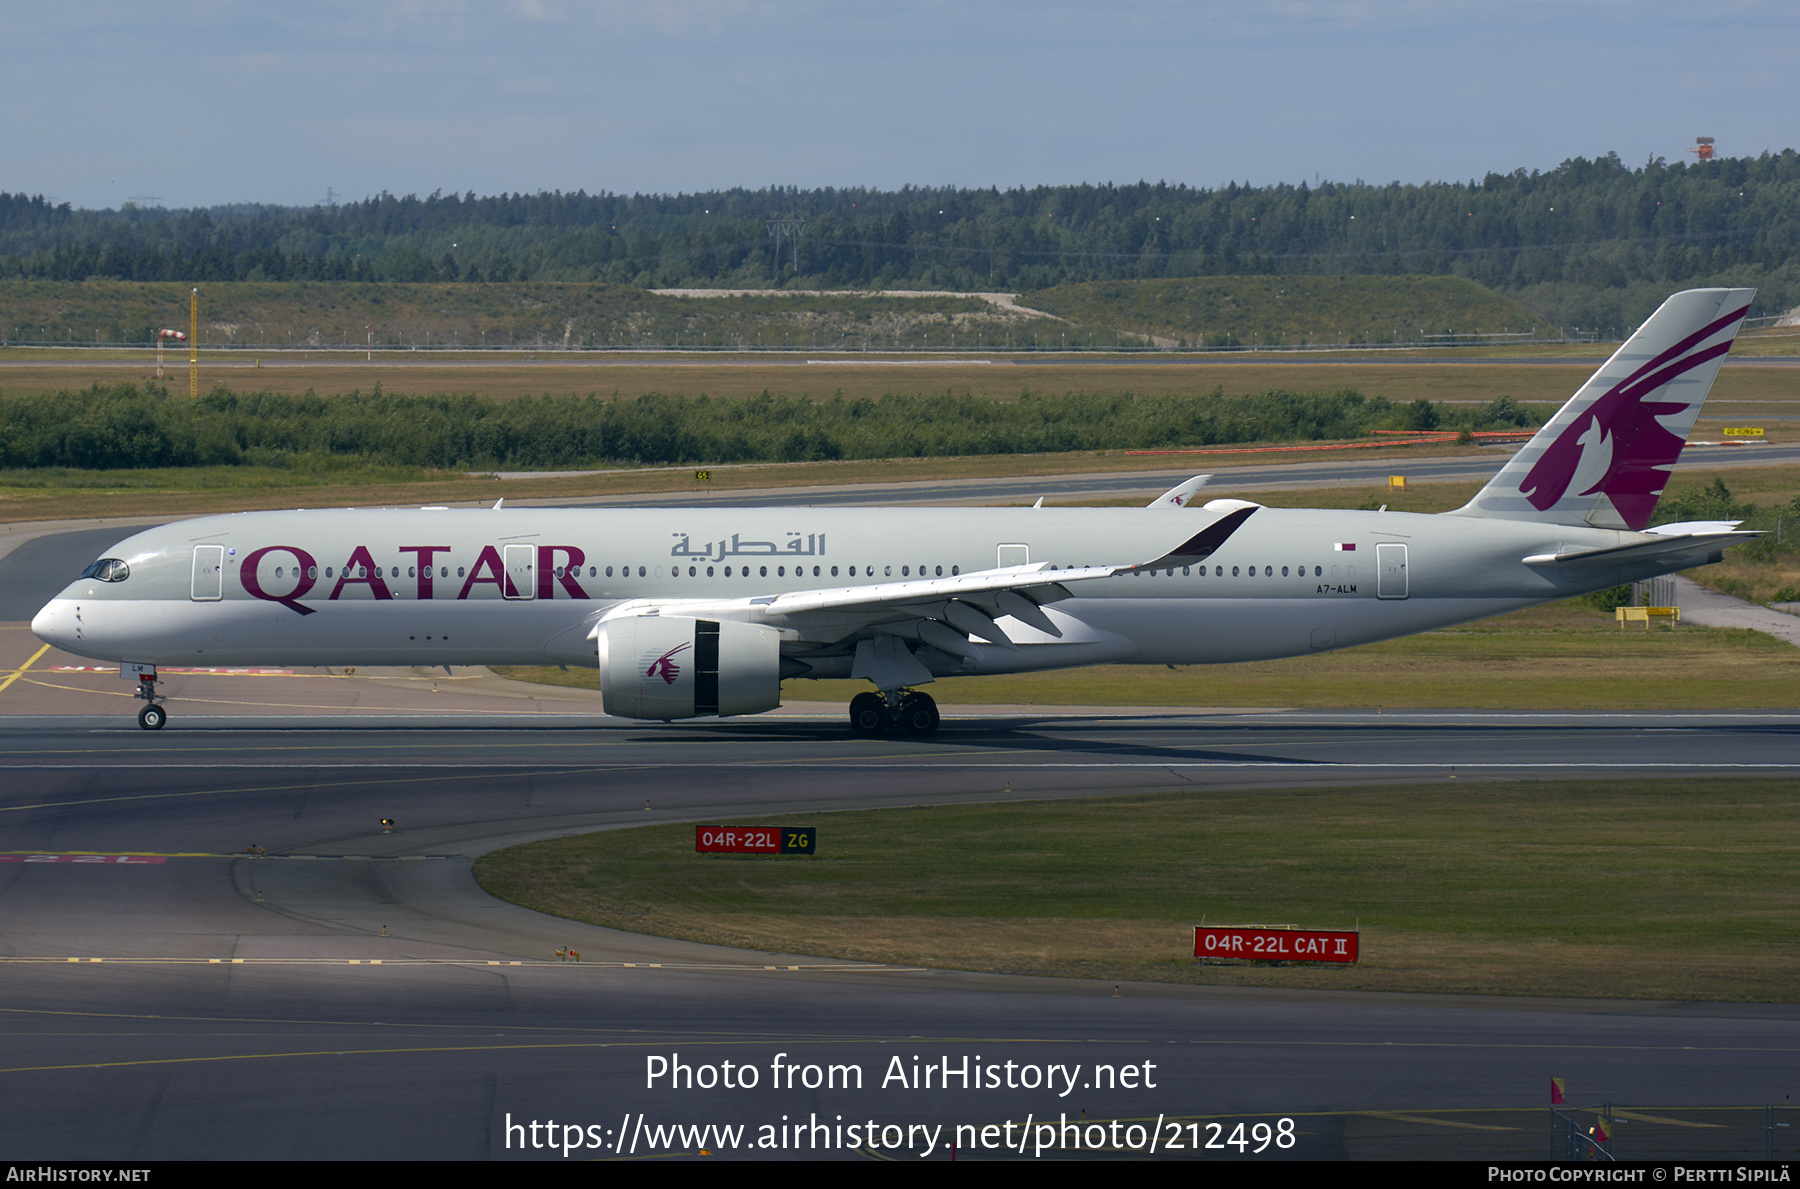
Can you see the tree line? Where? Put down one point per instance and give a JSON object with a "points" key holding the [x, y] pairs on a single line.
{"points": [[121, 426], [1588, 227]]}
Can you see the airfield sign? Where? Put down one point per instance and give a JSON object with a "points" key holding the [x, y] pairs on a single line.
{"points": [[1267, 943], [756, 840]]}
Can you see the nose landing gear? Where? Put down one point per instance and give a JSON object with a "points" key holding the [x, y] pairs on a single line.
{"points": [[893, 711], [152, 716]]}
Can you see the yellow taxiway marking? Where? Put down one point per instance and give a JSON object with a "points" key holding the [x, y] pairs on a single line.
{"points": [[19, 672], [1399, 1118], [313, 1053], [280, 788], [1641, 1118], [79, 689]]}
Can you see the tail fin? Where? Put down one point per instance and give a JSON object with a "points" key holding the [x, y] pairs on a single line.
{"points": [[1605, 457]]}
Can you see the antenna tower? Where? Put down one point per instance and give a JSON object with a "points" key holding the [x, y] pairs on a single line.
{"points": [[194, 344], [793, 229]]}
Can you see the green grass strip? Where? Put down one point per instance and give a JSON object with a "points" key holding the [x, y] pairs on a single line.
{"points": [[1654, 890]]}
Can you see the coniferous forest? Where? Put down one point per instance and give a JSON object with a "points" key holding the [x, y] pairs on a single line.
{"points": [[1590, 242]]}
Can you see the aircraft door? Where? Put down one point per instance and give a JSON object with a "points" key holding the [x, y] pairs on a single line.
{"points": [[209, 573], [1013, 555], [1390, 567], [521, 581]]}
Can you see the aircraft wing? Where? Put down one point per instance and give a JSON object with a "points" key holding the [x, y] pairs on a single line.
{"points": [[1035, 578], [943, 612]]}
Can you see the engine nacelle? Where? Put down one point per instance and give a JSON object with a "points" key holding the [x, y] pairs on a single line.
{"points": [[666, 666]]}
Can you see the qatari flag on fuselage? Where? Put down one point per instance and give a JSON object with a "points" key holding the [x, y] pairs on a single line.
{"points": [[1344, 547]]}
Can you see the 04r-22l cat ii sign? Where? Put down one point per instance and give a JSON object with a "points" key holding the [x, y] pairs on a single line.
{"points": [[691, 612]]}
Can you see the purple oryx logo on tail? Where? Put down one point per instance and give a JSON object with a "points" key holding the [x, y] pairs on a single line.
{"points": [[1616, 447], [665, 667]]}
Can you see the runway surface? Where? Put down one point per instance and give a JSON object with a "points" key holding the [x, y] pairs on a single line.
{"points": [[352, 993]]}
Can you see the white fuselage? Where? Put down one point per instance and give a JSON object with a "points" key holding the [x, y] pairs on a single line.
{"points": [[526, 586]]}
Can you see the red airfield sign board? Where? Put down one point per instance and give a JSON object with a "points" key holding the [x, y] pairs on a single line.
{"points": [[1257, 943], [756, 840]]}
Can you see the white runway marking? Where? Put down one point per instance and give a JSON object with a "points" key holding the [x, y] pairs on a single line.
{"points": [[858, 968]]}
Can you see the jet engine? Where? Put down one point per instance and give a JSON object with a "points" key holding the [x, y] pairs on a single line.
{"points": [[666, 666]]}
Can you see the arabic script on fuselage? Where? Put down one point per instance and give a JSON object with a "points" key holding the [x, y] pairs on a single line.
{"points": [[797, 545]]}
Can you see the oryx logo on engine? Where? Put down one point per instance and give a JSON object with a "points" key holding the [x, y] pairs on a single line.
{"points": [[665, 667]]}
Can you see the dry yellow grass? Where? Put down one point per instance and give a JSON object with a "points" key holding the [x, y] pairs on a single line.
{"points": [[851, 376]]}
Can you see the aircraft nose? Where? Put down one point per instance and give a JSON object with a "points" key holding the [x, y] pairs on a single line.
{"points": [[51, 624]]}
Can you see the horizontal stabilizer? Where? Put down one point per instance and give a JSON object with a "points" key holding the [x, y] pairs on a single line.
{"points": [[1673, 551]]}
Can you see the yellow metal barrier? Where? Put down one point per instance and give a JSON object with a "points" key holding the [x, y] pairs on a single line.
{"points": [[1644, 615]]}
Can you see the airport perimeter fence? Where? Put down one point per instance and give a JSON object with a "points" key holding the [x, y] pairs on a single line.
{"points": [[1614, 1132], [1608, 339], [1654, 592]]}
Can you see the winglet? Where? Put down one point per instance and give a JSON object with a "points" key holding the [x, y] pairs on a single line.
{"points": [[1179, 495], [1202, 544]]}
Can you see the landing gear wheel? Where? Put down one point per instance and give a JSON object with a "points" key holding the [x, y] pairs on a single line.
{"points": [[152, 718], [868, 714], [918, 714]]}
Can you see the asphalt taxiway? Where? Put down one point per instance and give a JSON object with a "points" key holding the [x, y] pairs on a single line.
{"points": [[348, 991]]}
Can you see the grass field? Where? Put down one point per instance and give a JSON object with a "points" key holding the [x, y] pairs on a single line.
{"points": [[1742, 396], [1655, 890]]}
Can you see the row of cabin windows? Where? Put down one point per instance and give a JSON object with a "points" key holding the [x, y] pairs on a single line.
{"points": [[643, 571], [780, 571], [1250, 571], [799, 571]]}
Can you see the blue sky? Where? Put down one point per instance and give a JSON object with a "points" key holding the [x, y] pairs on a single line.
{"points": [[199, 102]]}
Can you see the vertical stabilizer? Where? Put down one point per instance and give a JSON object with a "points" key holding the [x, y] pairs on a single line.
{"points": [[1605, 457]]}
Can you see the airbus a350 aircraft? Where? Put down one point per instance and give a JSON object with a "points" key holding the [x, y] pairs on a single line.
{"points": [[693, 612]]}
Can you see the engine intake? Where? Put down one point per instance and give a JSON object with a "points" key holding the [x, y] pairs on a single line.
{"points": [[665, 667]]}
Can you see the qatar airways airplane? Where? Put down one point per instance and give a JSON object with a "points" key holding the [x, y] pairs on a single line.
{"points": [[693, 612]]}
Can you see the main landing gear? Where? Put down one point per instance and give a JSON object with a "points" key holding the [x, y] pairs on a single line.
{"points": [[152, 716], [893, 711]]}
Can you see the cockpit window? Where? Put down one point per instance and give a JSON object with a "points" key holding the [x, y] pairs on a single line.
{"points": [[108, 569]]}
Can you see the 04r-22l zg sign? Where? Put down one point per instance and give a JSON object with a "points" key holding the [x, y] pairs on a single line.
{"points": [[756, 840]]}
